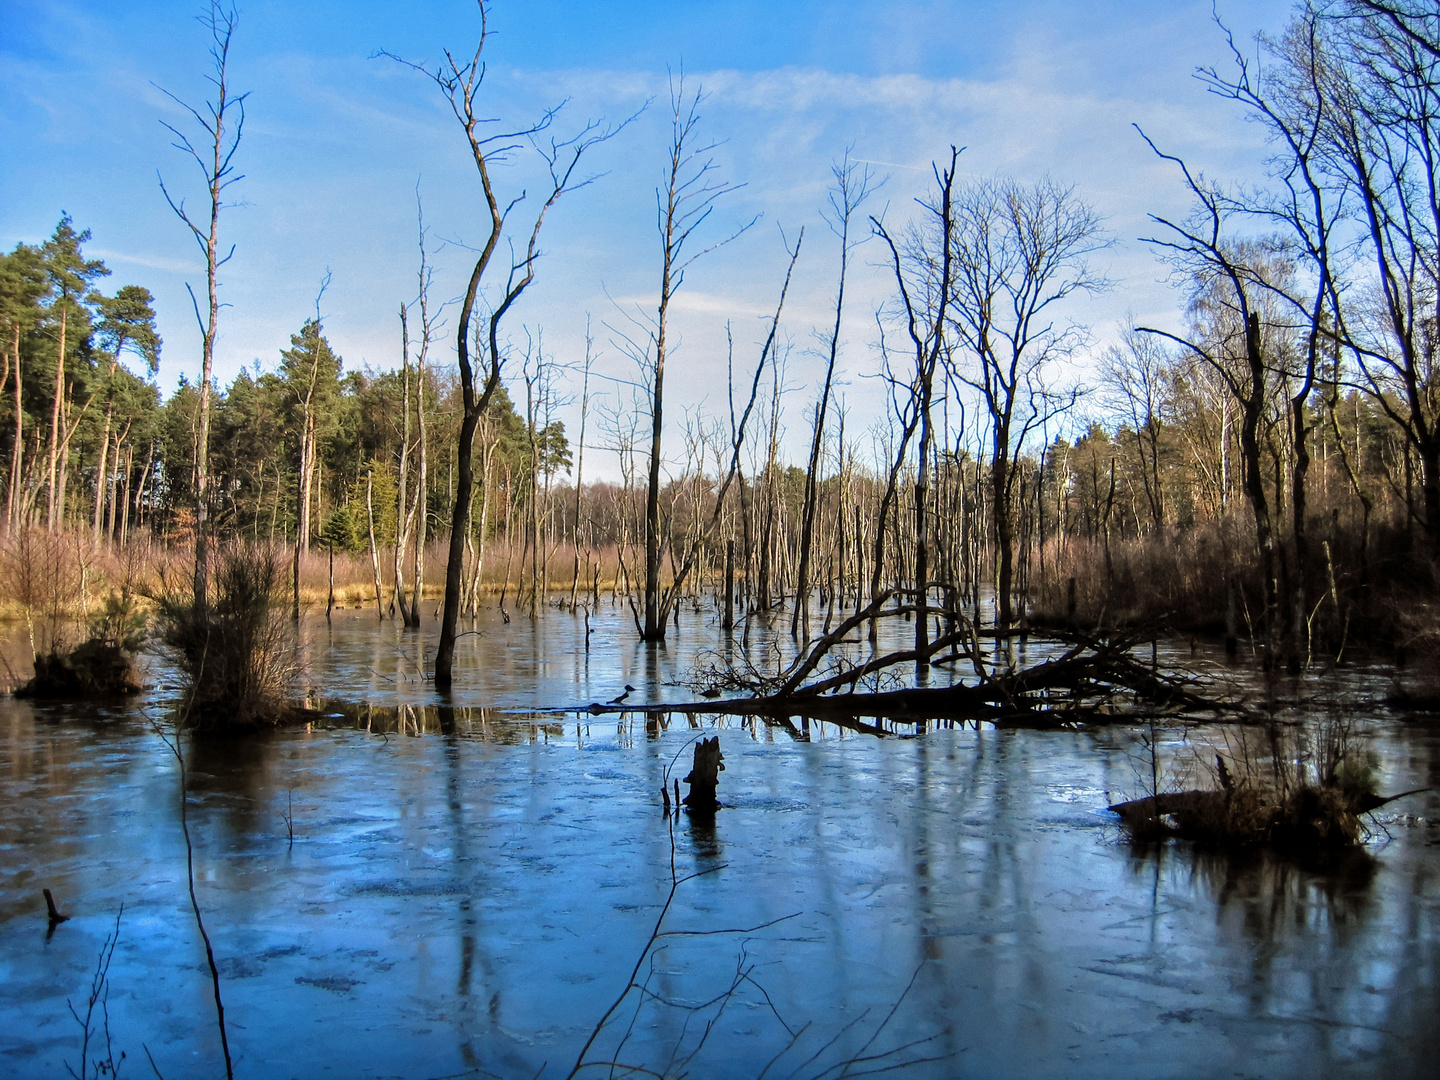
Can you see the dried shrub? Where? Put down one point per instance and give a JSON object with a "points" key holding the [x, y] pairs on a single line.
{"points": [[1295, 787], [236, 651], [50, 575], [103, 665], [44, 573], [1417, 674]]}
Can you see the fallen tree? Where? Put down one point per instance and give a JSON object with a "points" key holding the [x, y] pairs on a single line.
{"points": [[1094, 679]]}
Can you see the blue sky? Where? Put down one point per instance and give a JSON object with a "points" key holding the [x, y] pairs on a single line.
{"points": [[336, 143]]}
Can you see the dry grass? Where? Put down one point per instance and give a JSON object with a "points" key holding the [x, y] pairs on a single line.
{"points": [[502, 572], [1179, 575], [78, 600], [54, 582], [1292, 786], [1182, 578]]}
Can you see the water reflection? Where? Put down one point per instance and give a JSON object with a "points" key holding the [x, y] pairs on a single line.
{"points": [[505, 728], [1300, 936], [469, 887]]}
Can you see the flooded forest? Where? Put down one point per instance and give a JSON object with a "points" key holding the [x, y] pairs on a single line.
{"points": [[965, 689]]}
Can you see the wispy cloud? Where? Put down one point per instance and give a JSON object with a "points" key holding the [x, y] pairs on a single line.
{"points": [[150, 262]]}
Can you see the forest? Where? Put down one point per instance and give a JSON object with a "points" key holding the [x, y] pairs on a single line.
{"points": [[1272, 467]]}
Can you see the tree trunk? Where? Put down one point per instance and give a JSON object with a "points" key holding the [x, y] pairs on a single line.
{"points": [[1254, 477], [654, 627], [704, 777], [55, 414], [402, 509], [123, 529], [922, 529], [460, 522], [421, 483], [374, 554], [100, 479], [1004, 541], [12, 505], [302, 524]]}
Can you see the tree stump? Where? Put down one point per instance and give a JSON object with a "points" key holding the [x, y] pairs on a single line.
{"points": [[705, 777]]}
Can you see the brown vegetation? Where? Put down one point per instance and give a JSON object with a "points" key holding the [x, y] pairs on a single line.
{"points": [[1267, 468], [236, 648], [1289, 786], [78, 601]]}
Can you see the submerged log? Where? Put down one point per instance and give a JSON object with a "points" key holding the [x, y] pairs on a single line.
{"points": [[704, 777], [52, 911]]}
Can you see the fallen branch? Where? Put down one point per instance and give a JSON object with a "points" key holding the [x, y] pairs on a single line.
{"points": [[1091, 681]]}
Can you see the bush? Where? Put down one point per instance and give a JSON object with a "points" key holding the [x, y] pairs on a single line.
{"points": [[236, 651], [103, 665], [1294, 787]]}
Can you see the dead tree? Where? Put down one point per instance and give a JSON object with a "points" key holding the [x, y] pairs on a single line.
{"points": [[459, 83], [1019, 251], [580, 456], [704, 777], [420, 515], [1134, 376], [402, 513], [924, 299], [1381, 90], [689, 196], [1228, 276], [852, 186], [215, 157], [311, 368], [696, 546], [1292, 106]]}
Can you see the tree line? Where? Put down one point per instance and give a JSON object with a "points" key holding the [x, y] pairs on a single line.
{"points": [[1290, 426]]}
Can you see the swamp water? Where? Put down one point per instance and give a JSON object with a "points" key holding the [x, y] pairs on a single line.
{"points": [[468, 891]]}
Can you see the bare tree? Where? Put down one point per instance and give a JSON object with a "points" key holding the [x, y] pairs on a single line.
{"points": [[403, 520], [924, 297], [852, 187], [690, 193], [580, 452], [311, 369], [215, 157], [1230, 339], [1135, 372], [737, 443], [418, 517], [1289, 99], [1020, 251], [1381, 89], [459, 83]]}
